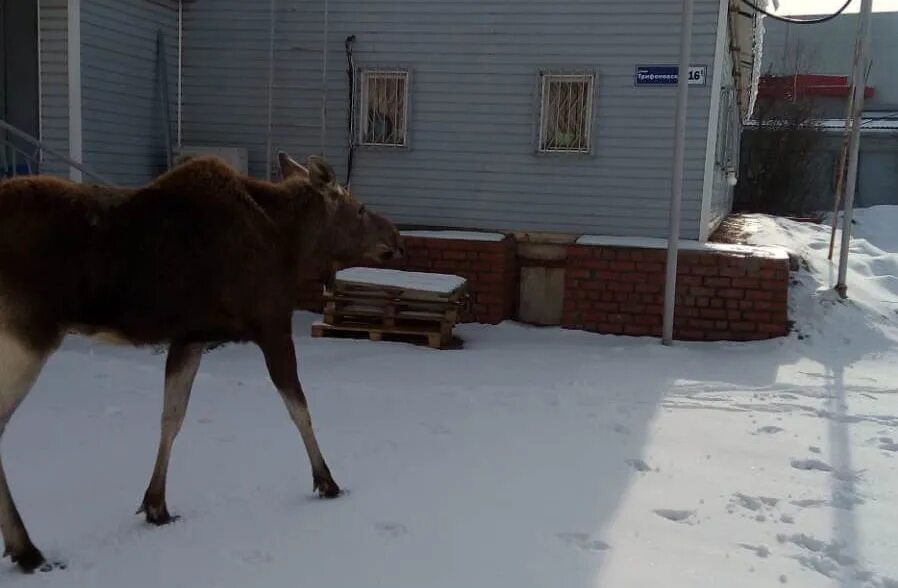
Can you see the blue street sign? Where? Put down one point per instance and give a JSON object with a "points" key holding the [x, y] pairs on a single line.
{"points": [[666, 75]]}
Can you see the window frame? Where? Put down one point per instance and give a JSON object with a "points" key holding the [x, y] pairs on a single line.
{"points": [[728, 130], [364, 75], [544, 81]]}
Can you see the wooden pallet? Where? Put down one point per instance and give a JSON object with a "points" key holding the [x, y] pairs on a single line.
{"points": [[379, 309], [374, 333]]}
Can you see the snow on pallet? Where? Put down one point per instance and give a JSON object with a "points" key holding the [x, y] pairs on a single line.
{"points": [[421, 283], [380, 302]]}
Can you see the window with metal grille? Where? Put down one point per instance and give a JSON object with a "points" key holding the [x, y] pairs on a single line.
{"points": [[383, 108], [565, 117]]}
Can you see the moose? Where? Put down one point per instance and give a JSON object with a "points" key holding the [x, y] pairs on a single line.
{"points": [[199, 257]]}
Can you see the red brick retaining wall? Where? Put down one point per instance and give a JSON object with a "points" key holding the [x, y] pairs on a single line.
{"points": [[489, 266], [720, 295]]}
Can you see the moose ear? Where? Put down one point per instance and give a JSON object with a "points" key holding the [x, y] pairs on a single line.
{"points": [[320, 172], [290, 167]]}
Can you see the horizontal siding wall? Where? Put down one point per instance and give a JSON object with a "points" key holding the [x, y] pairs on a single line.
{"points": [[474, 66], [122, 116], [54, 83]]}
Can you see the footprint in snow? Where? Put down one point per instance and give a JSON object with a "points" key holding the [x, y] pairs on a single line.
{"points": [[826, 558], [583, 541], [811, 465], [677, 516], [621, 429], [390, 529], [840, 500], [753, 503], [769, 430], [887, 444], [760, 550], [639, 465], [256, 556]]}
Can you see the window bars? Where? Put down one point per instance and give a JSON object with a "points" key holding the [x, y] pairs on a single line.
{"points": [[566, 113], [383, 108]]}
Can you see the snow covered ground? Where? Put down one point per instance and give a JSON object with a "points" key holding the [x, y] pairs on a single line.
{"points": [[531, 458]]}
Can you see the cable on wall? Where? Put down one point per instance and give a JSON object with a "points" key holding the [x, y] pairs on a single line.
{"points": [[798, 21]]}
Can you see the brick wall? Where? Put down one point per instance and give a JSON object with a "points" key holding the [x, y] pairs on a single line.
{"points": [[720, 295], [489, 266]]}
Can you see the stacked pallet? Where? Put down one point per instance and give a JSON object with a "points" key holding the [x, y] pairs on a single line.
{"points": [[382, 302]]}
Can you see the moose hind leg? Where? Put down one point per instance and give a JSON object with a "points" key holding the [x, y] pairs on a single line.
{"points": [[19, 368], [181, 366], [280, 357]]}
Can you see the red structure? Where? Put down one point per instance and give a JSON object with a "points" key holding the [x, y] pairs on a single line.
{"points": [[797, 86]]}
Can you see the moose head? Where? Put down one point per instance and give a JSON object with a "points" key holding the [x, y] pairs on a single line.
{"points": [[351, 233]]}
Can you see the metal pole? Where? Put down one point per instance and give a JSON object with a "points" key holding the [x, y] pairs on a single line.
{"points": [[268, 145], [860, 70], [676, 193]]}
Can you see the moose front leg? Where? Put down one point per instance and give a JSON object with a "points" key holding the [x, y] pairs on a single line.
{"points": [[20, 365], [280, 357], [180, 370]]}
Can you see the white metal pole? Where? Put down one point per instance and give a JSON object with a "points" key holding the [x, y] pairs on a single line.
{"points": [[268, 145], [676, 192], [860, 77]]}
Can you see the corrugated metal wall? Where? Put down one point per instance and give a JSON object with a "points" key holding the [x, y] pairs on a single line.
{"points": [[54, 83], [474, 63], [121, 113]]}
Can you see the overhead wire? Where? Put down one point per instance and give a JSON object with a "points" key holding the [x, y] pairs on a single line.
{"points": [[798, 21]]}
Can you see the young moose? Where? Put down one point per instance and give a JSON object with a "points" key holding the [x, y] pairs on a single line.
{"points": [[198, 257]]}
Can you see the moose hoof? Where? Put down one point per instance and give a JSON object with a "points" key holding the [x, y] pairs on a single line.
{"points": [[326, 487], [160, 520], [28, 559], [157, 515]]}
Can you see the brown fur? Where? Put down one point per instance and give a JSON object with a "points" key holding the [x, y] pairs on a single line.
{"points": [[202, 255]]}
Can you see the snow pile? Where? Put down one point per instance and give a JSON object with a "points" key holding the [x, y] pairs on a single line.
{"points": [[872, 278]]}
